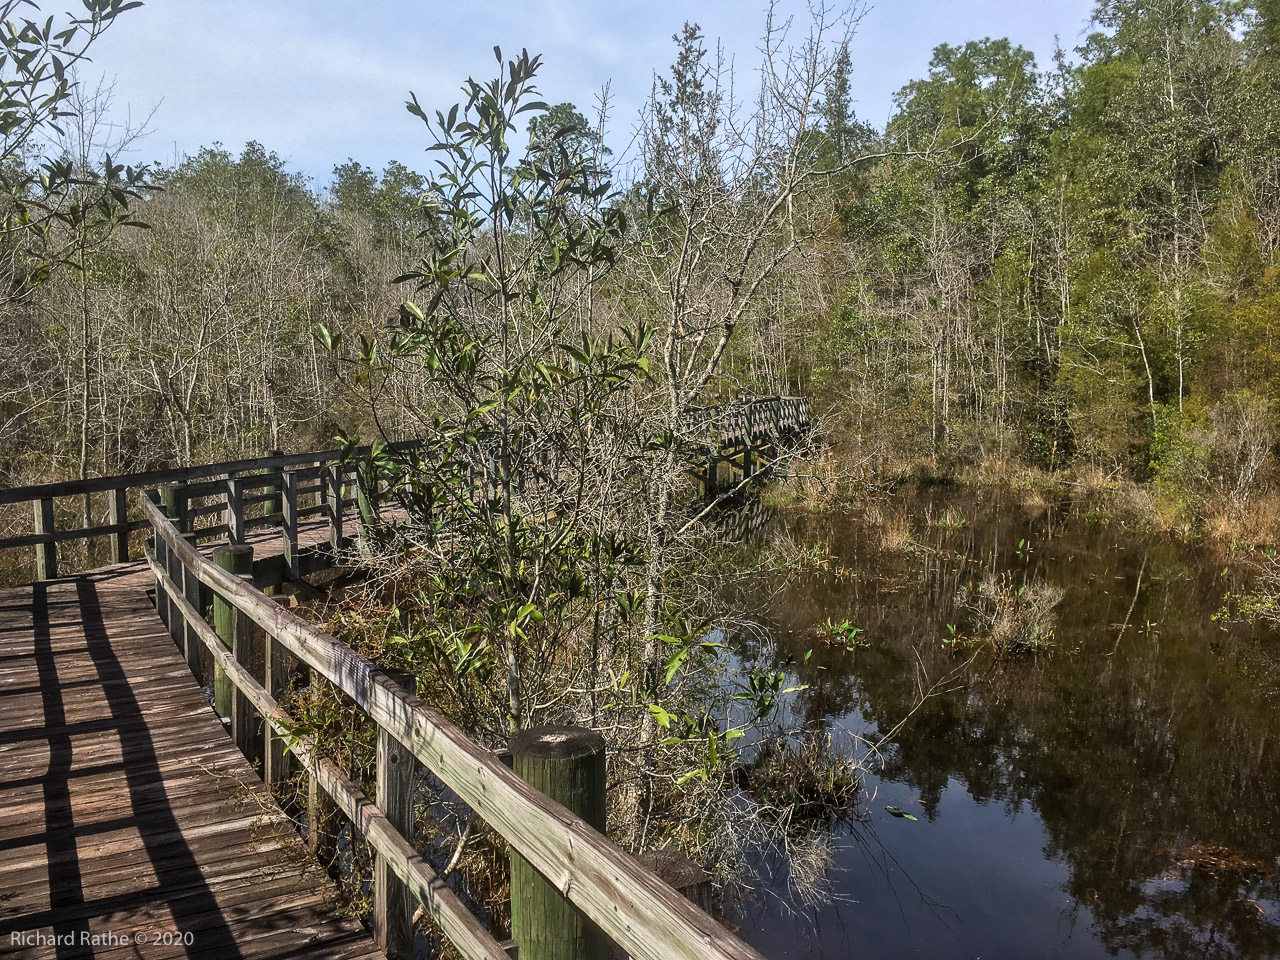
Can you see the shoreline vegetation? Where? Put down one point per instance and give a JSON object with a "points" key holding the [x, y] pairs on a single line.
{"points": [[1206, 514]]}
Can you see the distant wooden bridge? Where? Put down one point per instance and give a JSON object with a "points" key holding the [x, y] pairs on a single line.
{"points": [[135, 827]]}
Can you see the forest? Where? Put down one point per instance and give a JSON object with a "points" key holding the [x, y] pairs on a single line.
{"points": [[1067, 267], [1053, 282]]}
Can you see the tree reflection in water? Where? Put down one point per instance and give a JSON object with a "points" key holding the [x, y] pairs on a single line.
{"points": [[1143, 747]]}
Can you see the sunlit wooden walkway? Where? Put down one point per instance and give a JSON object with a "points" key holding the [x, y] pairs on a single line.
{"points": [[126, 811]]}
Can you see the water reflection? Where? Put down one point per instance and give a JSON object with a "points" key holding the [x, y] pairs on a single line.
{"points": [[1117, 796]]}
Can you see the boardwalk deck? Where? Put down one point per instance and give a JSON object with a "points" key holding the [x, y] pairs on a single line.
{"points": [[125, 809]]}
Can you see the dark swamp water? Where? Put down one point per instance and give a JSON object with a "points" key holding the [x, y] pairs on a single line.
{"points": [[1115, 796]]}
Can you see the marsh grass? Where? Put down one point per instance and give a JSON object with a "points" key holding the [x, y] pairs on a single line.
{"points": [[894, 524], [805, 782], [1012, 619]]}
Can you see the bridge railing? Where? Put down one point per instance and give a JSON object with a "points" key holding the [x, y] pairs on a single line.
{"points": [[217, 499], [642, 914], [745, 436]]}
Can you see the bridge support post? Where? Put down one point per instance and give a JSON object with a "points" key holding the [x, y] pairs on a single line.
{"points": [[397, 772], [173, 498], [237, 559], [568, 765], [46, 553]]}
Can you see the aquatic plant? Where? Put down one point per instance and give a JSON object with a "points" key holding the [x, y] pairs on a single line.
{"points": [[843, 633], [1013, 619]]}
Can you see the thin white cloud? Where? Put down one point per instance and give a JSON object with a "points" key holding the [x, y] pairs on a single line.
{"points": [[320, 81]]}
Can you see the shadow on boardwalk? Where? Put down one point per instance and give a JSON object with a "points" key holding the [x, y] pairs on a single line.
{"points": [[125, 810]]}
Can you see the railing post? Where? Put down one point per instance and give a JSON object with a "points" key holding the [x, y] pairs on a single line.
{"points": [[277, 663], [333, 495], [396, 775], [235, 510], [568, 765], [118, 515], [46, 553], [273, 505], [236, 559], [289, 507], [244, 718], [366, 501], [173, 498], [323, 823]]}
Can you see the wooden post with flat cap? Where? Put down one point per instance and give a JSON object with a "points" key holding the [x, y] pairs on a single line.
{"points": [[568, 765]]}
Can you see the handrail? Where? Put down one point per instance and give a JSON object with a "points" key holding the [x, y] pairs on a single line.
{"points": [[441, 903], [633, 906], [213, 479], [152, 478]]}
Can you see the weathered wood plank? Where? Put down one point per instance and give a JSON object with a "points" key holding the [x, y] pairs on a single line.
{"points": [[126, 806]]}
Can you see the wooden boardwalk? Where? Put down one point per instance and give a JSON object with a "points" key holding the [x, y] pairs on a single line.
{"points": [[126, 811], [131, 826]]}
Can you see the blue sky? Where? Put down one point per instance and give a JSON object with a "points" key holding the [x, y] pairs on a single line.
{"points": [[319, 81]]}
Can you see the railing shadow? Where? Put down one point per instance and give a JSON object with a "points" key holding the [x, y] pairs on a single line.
{"points": [[180, 886]]}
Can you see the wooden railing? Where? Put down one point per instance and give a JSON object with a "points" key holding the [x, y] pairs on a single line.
{"points": [[214, 500], [202, 494], [636, 909], [746, 436]]}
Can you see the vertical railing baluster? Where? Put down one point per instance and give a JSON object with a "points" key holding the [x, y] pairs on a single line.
{"points": [[177, 620], [324, 823], [235, 510], [289, 528], [244, 718], [160, 551], [189, 584], [278, 664], [273, 504], [118, 516], [236, 559], [333, 493]]}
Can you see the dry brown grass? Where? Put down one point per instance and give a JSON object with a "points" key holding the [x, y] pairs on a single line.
{"points": [[1034, 498], [894, 524], [1255, 523], [1013, 619]]}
